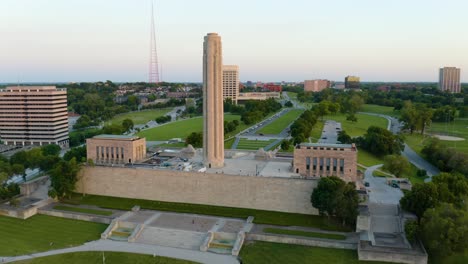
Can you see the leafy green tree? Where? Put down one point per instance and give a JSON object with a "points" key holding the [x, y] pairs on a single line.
{"points": [[397, 165], [127, 124], [409, 116], [380, 142], [421, 197], [195, 139], [411, 230], [444, 230], [17, 169], [344, 138], [451, 187], [351, 117], [347, 202], [323, 197], [51, 149], [63, 178], [285, 144], [288, 104]]}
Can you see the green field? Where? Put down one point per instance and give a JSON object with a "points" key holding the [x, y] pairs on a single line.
{"points": [[274, 253], [253, 144], [457, 128], [228, 143], [98, 258], [183, 128], [278, 125], [359, 128], [42, 233], [82, 210], [384, 110], [303, 233], [367, 159], [261, 216], [140, 117], [316, 133]]}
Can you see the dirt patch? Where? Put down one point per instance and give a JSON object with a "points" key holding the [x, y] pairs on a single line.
{"points": [[449, 138]]}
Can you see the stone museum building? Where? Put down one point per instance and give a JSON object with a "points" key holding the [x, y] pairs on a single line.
{"points": [[116, 149]]}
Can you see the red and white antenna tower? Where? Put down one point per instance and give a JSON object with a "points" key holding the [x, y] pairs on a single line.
{"points": [[153, 62]]}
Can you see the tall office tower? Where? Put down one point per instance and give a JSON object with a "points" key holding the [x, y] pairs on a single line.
{"points": [[449, 79], [34, 115], [213, 116], [352, 82], [231, 82], [316, 85]]}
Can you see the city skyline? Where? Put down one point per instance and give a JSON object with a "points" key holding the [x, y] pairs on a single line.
{"points": [[58, 41]]}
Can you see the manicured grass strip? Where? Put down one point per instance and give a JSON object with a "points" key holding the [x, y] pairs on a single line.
{"points": [[140, 117], [303, 233], [367, 159], [82, 210], [278, 125], [261, 216], [42, 233], [97, 258], [359, 128], [378, 109], [183, 128], [259, 252], [253, 144]]}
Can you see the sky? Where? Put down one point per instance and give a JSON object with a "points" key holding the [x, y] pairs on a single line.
{"points": [[270, 40]]}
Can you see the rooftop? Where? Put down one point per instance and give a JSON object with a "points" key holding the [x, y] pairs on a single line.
{"points": [[120, 137], [326, 145]]}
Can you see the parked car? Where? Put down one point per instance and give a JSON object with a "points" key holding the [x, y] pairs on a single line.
{"points": [[367, 184]]}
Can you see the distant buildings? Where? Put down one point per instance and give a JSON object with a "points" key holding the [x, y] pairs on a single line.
{"points": [[449, 79], [322, 160], [34, 116], [258, 96], [272, 87], [352, 82], [231, 82], [115, 149], [213, 116], [316, 85]]}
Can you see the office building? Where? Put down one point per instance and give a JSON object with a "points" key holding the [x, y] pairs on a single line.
{"points": [[316, 85], [33, 116], [213, 112], [352, 82], [231, 82], [449, 79]]}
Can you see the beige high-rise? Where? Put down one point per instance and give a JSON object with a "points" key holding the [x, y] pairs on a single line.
{"points": [[231, 82], [449, 79], [213, 116]]}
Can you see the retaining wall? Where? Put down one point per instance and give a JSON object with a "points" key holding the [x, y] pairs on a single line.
{"points": [[265, 193], [302, 241]]}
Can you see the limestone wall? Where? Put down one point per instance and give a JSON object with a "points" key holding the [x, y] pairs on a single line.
{"points": [[328, 243], [275, 194]]}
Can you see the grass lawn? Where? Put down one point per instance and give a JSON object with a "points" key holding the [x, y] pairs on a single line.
{"points": [[367, 159], [303, 233], [228, 143], [359, 128], [253, 144], [140, 117], [458, 258], [82, 210], [261, 216], [41, 233], [183, 128], [457, 128], [259, 252], [316, 133], [97, 258], [384, 110], [278, 125], [292, 95]]}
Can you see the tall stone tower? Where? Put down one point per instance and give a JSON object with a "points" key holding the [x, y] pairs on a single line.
{"points": [[213, 116]]}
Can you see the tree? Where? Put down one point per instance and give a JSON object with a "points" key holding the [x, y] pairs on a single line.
{"points": [[17, 169], [51, 149], [444, 230], [79, 153], [421, 197], [127, 124], [63, 178], [411, 230], [195, 139], [347, 202], [451, 187], [351, 117], [380, 142], [285, 144], [397, 165], [409, 116], [288, 104], [344, 138]]}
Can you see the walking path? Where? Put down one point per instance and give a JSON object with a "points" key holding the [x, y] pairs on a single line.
{"points": [[116, 246]]}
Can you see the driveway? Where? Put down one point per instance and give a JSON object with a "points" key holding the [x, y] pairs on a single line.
{"points": [[380, 191]]}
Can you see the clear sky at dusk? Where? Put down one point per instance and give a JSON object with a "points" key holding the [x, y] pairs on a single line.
{"points": [[270, 40]]}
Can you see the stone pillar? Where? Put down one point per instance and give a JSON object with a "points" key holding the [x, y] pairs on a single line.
{"points": [[213, 116]]}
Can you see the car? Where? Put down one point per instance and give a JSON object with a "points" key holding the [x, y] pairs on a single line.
{"points": [[324, 138], [367, 184], [395, 185], [260, 134]]}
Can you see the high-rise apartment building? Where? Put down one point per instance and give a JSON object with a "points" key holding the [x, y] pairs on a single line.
{"points": [[231, 82], [213, 112], [33, 115], [352, 82], [316, 85], [449, 79]]}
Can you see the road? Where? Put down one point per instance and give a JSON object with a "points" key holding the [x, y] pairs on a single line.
{"points": [[330, 132], [395, 126], [379, 191]]}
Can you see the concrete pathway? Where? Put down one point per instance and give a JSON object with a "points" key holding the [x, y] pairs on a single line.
{"points": [[380, 191], [108, 245]]}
